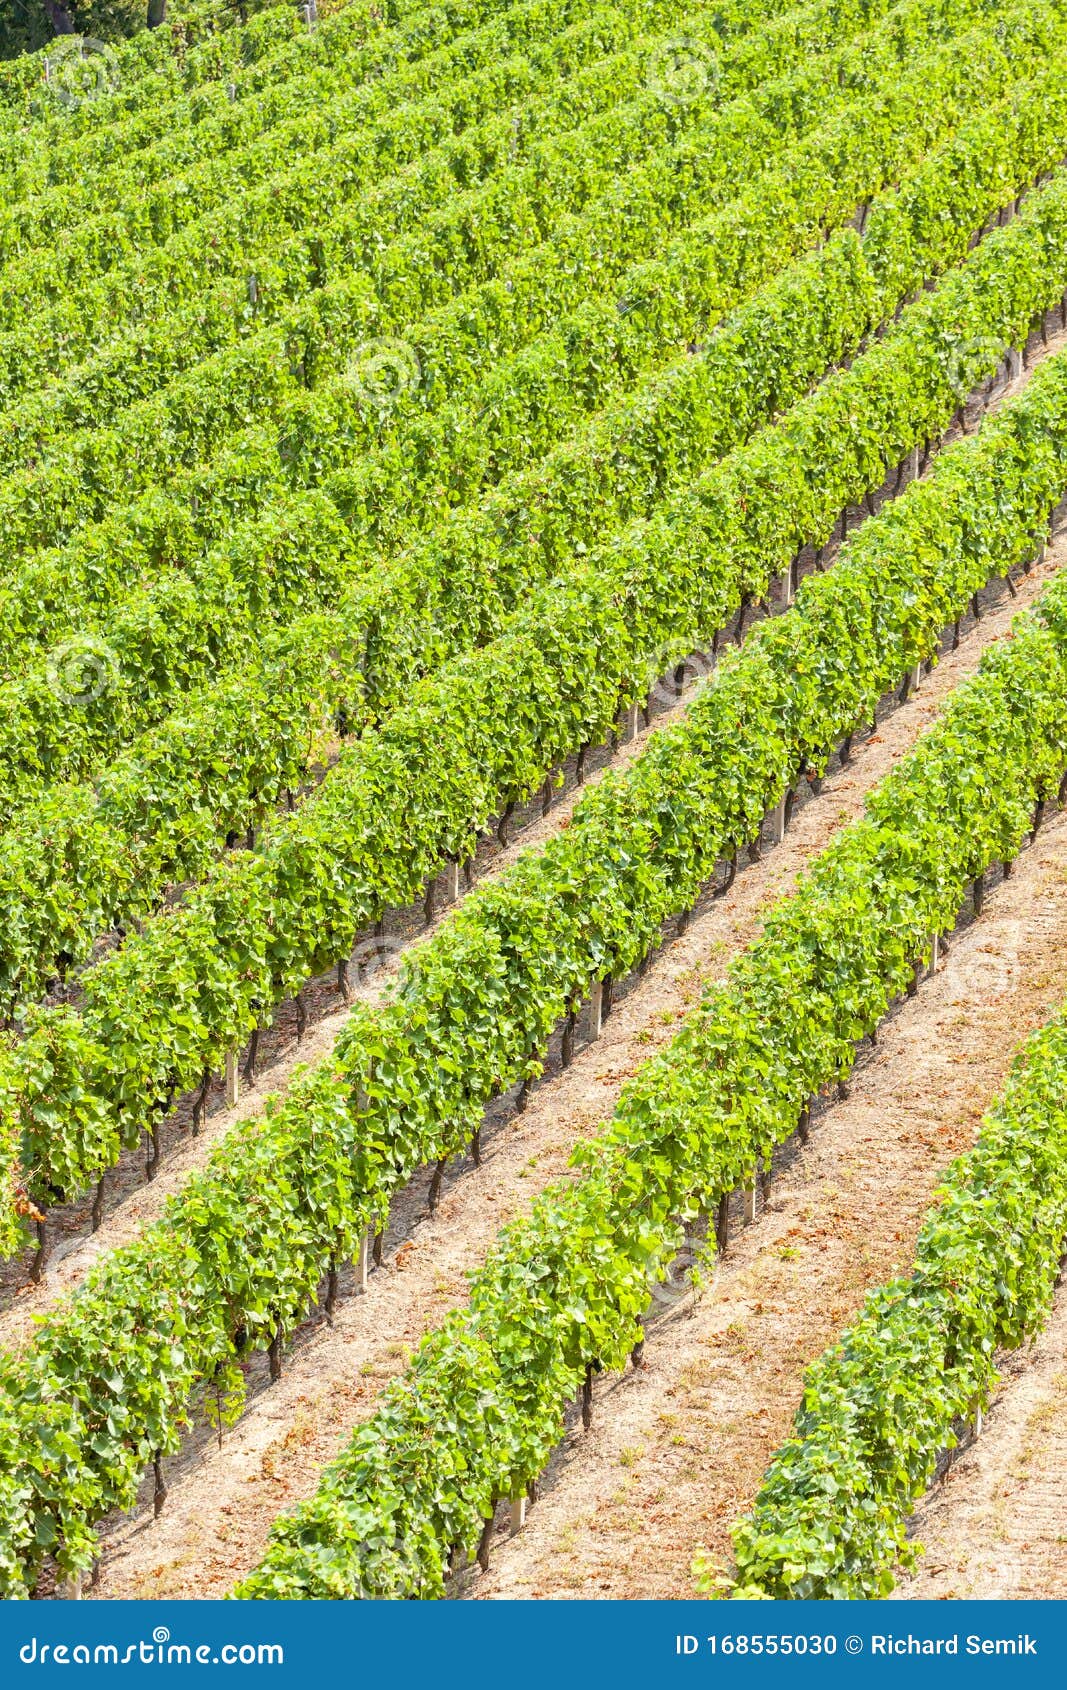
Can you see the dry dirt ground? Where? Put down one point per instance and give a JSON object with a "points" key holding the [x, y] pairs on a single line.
{"points": [[222, 1502], [681, 1445], [997, 1525], [374, 970], [129, 1204]]}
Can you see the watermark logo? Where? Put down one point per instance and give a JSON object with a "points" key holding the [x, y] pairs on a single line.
{"points": [[691, 1270], [155, 1651], [983, 367], [374, 959], [669, 673], [81, 670], [382, 372], [682, 71], [989, 961], [79, 69]]}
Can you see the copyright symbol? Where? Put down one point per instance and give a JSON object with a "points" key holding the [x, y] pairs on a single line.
{"points": [[382, 371], [682, 70], [371, 956], [77, 69], [81, 670], [853, 1645]]}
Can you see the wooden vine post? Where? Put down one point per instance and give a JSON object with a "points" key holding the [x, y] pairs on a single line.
{"points": [[722, 1224], [596, 1009], [159, 1493], [777, 822], [361, 1102], [587, 1398]]}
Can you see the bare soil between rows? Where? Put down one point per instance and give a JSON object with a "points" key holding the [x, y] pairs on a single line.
{"points": [[996, 1526], [285, 1045], [678, 1449], [223, 1501]]}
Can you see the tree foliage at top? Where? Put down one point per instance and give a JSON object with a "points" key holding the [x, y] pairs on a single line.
{"points": [[27, 25]]}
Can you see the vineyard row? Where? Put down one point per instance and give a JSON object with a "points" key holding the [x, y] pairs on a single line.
{"points": [[838, 292], [562, 1295], [315, 221], [239, 1256], [911, 1376], [164, 1010], [326, 313]]}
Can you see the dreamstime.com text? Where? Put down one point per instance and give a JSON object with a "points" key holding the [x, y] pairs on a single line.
{"points": [[158, 1650]]}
